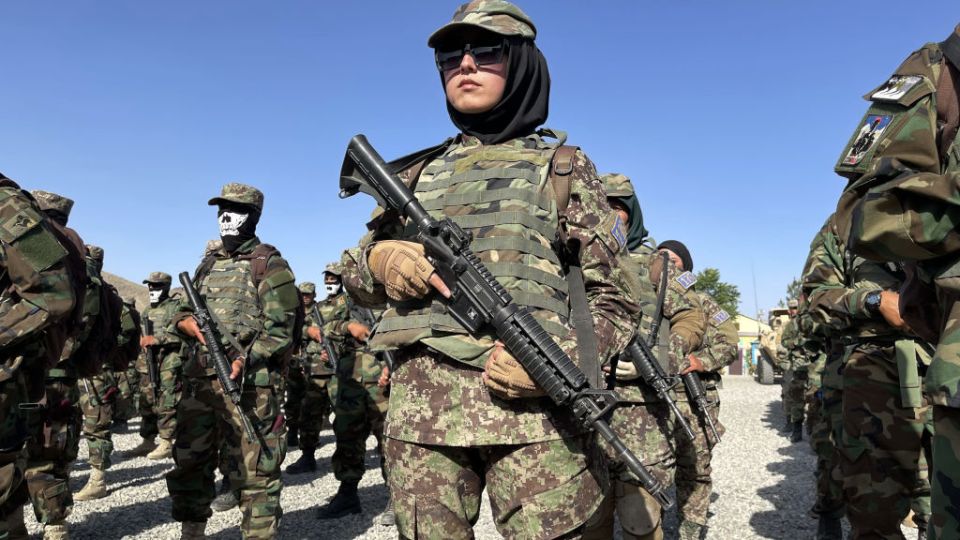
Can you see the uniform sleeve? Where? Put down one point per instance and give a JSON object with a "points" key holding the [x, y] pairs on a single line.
{"points": [[591, 223], [278, 300], [40, 292], [831, 303]]}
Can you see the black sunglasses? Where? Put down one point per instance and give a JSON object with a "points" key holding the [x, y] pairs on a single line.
{"points": [[483, 55]]}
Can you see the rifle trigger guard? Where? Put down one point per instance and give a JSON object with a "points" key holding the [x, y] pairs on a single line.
{"points": [[607, 400]]}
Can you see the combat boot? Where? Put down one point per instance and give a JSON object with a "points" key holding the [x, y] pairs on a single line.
{"points": [[145, 447], [343, 503], [387, 518], [227, 499], [15, 526], [829, 528], [163, 451], [797, 435], [306, 463], [95, 488], [293, 438], [193, 530], [690, 530], [55, 531]]}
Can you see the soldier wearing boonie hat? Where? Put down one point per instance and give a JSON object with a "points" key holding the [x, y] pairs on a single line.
{"points": [[461, 406]]}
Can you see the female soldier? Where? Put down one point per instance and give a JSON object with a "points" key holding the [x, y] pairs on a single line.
{"points": [[464, 415]]}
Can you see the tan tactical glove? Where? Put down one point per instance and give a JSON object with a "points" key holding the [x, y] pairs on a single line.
{"points": [[506, 378], [401, 267]]}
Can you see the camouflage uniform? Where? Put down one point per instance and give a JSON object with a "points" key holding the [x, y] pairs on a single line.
{"points": [[693, 477], [159, 406], [261, 317], [793, 361], [316, 374], [447, 436], [35, 323], [55, 440], [884, 416]]}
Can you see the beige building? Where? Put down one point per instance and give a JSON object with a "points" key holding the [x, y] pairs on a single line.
{"points": [[748, 349]]}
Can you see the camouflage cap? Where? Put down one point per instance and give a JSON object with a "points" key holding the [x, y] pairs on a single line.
{"points": [[617, 185], [792, 303], [333, 269], [239, 194], [51, 201], [496, 16], [95, 252], [160, 278], [308, 287]]}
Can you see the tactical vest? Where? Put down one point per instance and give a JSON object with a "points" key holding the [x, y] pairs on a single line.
{"points": [[160, 315], [233, 299], [500, 194]]}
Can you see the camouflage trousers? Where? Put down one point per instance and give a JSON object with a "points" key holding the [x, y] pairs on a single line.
{"points": [[826, 430], [359, 411], [537, 490], [159, 409], [53, 446], [693, 476], [647, 430], [316, 410], [795, 396], [205, 418], [945, 477], [296, 389], [98, 401], [126, 405], [13, 455], [882, 444]]}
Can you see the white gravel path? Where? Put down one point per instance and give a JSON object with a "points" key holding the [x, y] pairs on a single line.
{"points": [[763, 486]]}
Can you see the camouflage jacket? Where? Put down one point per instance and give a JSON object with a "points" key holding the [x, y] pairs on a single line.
{"points": [[128, 340], [516, 170], [719, 347], [275, 299], [169, 343], [38, 294], [333, 310], [902, 203]]}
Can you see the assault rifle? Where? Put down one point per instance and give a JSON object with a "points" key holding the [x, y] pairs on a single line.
{"points": [[653, 375], [327, 346], [698, 397], [479, 302], [369, 320], [152, 368], [211, 334]]}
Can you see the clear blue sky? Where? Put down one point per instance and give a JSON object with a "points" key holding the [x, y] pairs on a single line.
{"points": [[728, 116]]}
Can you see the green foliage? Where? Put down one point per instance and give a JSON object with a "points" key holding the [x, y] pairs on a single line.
{"points": [[725, 294]]}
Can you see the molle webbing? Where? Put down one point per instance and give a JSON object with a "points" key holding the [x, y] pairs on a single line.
{"points": [[233, 298]]}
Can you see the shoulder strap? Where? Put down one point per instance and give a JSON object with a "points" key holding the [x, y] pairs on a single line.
{"points": [[951, 49], [258, 261], [561, 165], [415, 162]]}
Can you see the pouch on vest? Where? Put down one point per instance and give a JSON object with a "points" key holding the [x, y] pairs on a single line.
{"points": [[909, 374]]}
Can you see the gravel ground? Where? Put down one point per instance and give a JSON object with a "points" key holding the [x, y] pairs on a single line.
{"points": [[763, 486]]}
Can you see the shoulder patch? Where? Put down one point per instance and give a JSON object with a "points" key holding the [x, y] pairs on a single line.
{"points": [[686, 279], [896, 87], [720, 317], [868, 135], [619, 232]]}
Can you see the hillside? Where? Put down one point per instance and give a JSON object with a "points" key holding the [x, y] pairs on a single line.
{"points": [[128, 288]]}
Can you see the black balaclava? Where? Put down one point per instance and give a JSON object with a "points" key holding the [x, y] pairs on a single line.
{"points": [[57, 216], [164, 292], [635, 229], [232, 235], [525, 102], [681, 250]]}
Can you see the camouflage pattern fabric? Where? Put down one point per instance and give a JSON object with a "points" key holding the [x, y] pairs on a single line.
{"points": [[495, 16], [53, 446], [945, 492], [317, 406], [825, 439], [126, 405], [537, 491], [206, 417], [295, 386], [160, 412], [882, 444], [98, 410], [360, 408], [206, 413]]}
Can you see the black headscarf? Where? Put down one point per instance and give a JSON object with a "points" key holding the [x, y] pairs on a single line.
{"points": [[525, 102]]}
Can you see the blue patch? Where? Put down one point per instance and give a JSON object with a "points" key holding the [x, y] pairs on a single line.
{"points": [[686, 280], [721, 317], [619, 232], [867, 137]]}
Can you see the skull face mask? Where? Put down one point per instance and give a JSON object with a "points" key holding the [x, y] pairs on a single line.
{"points": [[156, 295], [238, 225], [333, 289]]}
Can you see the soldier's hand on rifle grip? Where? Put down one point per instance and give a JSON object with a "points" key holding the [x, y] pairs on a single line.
{"points": [[404, 270], [506, 378], [695, 365], [190, 327], [384, 380], [236, 367], [313, 332], [148, 341], [359, 331]]}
